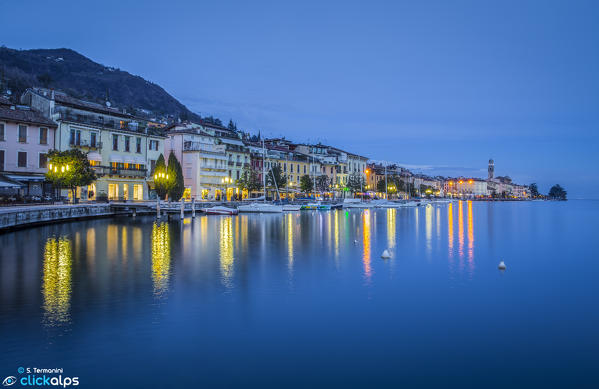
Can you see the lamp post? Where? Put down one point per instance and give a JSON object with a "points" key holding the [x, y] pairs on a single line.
{"points": [[227, 181], [59, 169], [161, 179]]}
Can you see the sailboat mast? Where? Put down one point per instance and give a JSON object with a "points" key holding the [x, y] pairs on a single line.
{"points": [[263, 169], [386, 194]]}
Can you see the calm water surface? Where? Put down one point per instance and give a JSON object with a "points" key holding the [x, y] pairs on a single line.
{"points": [[304, 299]]}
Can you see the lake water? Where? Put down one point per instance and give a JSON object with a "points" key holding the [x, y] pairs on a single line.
{"points": [[304, 299]]}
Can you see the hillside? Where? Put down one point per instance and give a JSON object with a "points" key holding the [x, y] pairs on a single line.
{"points": [[77, 75]]}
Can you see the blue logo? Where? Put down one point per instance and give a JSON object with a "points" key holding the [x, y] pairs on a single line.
{"points": [[9, 381], [21, 370]]}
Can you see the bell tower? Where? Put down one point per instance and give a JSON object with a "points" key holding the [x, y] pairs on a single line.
{"points": [[491, 169]]}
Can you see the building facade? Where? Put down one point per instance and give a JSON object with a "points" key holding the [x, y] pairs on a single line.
{"points": [[120, 147], [26, 138]]}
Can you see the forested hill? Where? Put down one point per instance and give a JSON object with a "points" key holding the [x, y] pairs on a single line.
{"points": [[77, 75]]}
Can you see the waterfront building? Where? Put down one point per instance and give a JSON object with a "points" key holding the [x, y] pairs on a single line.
{"points": [[26, 137], [121, 148], [203, 158], [465, 187]]}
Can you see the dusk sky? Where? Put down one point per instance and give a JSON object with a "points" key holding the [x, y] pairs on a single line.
{"points": [[440, 86]]}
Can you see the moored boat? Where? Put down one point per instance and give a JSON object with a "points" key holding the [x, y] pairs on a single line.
{"points": [[220, 210], [292, 207], [261, 208]]}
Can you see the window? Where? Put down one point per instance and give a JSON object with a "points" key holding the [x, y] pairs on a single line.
{"points": [[22, 133], [138, 192], [115, 142], [1, 131], [138, 145], [43, 161], [43, 136], [75, 138], [304, 169], [238, 174], [1, 160], [127, 142], [113, 191], [152, 166], [285, 167], [22, 159], [92, 140]]}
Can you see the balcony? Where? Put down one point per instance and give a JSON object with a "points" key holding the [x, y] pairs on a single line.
{"points": [[231, 163], [238, 164], [122, 172], [86, 145], [98, 121]]}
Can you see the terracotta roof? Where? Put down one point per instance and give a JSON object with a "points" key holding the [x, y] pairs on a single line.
{"points": [[64, 99], [25, 116]]}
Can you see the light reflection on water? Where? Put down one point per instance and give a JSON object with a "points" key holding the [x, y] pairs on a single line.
{"points": [[161, 258], [223, 282], [56, 281]]}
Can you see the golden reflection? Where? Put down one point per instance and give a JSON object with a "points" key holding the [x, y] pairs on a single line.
{"points": [[460, 229], [290, 241], [470, 236], [112, 235], [428, 226], [226, 250], [366, 244], [56, 281], [391, 213], [450, 229], [204, 229], [124, 242], [137, 241], [90, 244], [161, 258], [337, 214]]}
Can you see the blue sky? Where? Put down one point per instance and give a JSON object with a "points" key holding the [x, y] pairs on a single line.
{"points": [[440, 85]]}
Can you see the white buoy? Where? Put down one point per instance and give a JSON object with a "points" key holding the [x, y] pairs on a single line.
{"points": [[355, 241], [386, 254], [501, 266]]}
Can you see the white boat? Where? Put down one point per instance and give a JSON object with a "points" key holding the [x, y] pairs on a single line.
{"points": [[291, 207], [260, 208], [219, 210], [355, 203], [396, 204]]}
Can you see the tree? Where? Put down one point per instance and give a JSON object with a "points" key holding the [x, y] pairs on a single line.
{"points": [[534, 190], [276, 176], [248, 181], [175, 178], [355, 182], [380, 186], [69, 169], [557, 193], [232, 125], [322, 183], [306, 183], [45, 79], [160, 182]]}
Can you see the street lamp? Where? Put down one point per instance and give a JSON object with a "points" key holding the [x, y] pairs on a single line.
{"points": [[227, 181]]}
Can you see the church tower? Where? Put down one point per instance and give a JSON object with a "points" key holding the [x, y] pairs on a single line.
{"points": [[491, 169]]}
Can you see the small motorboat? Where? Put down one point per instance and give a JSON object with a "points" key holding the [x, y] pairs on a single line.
{"points": [[292, 207], [220, 210], [317, 205], [261, 208]]}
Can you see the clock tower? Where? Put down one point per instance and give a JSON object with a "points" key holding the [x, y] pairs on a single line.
{"points": [[491, 169]]}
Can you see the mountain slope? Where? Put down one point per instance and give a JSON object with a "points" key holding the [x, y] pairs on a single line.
{"points": [[77, 75]]}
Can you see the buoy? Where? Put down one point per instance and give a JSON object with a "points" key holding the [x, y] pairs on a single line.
{"points": [[385, 254], [355, 241], [501, 265]]}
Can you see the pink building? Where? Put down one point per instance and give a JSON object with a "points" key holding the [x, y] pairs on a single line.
{"points": [[26, 137]]}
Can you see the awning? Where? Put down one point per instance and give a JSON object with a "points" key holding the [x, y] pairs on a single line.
{"points": [[140, 160], [94, 157], [130, 160], [25, 178], [5, 184], [116, 158]]}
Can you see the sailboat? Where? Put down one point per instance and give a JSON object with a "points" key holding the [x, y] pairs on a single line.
{"points": [[263, 207]]}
